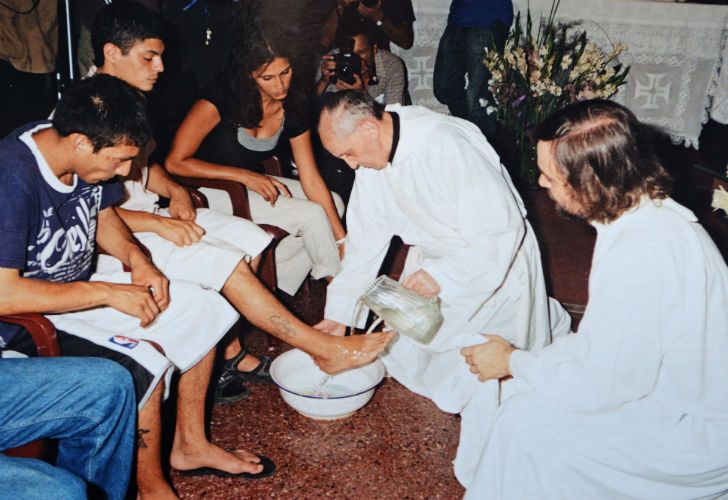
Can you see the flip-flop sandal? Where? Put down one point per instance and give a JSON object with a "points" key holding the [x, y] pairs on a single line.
{"points": [[258, 375], [269, 468]]}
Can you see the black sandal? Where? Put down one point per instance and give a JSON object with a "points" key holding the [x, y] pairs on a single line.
{"points": [[259, 375], [230, 389]]}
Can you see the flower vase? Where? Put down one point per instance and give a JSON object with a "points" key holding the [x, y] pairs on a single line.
{"points": [[528, 165]]}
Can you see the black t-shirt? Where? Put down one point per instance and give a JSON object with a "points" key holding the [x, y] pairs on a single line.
{"points": [[222, 145], [399, 11]]}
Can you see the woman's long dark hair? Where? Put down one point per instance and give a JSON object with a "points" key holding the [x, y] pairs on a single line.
{"points": [[266, 29]]}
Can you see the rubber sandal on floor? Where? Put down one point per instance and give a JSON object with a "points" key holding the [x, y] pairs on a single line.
{"points": [[230, 389], [269, 468], [258, 375]]}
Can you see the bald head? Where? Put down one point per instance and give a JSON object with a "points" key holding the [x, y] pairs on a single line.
{"points": [[344, 110], [355, 128]]}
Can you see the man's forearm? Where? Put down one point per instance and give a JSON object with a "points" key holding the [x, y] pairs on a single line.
{"points": [[137, 221], [26, 295], [161, 183], [114, 236]]}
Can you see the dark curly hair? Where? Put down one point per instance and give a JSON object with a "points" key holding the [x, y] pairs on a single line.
{"points": [[266, 29], [123, 23], [607, 156], [106, 110]]}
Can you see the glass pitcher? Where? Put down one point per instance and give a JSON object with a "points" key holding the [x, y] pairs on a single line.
{"points": [[411, 314]]}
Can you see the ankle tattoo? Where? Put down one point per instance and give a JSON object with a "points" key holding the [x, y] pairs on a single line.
{"points": [[140, 438]]}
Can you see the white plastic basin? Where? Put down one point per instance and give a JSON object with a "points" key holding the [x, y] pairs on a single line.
{"points": [[299, 381]]}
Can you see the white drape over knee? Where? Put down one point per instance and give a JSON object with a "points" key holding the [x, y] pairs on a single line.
{"points": [[310, 246]]}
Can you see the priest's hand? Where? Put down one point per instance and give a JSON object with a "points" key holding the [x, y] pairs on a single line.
{"points": [[421, 282], [490, 359], [331, 327]]}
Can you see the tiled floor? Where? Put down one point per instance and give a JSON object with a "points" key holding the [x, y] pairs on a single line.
{"points": [[399, 446]]}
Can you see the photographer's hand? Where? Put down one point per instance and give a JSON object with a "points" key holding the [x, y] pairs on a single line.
{"points": [[373, 13], [328, 68], [357, 85]]}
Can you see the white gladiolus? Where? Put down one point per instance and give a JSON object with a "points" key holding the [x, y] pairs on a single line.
{"points": [[720, 199]]}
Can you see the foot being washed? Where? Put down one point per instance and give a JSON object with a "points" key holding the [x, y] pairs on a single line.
{"points": [[342, 353]]}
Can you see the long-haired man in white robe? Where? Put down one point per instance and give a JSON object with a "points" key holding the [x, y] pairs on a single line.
{"points": [[636, 402], [434, 181]]}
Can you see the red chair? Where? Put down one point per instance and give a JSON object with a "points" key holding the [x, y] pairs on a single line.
{"points": [[44, 336]]}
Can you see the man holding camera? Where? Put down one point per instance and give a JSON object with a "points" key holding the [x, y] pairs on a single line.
{"points": [[393, 19], [360, 65]]}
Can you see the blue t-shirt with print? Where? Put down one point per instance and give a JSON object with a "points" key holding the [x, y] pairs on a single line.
{"points": [[47, 228]]}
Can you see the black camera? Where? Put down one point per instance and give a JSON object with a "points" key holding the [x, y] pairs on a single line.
{"points": [[348, 64], [350, 9]]}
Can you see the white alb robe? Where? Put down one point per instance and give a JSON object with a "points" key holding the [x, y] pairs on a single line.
{"points": [[447, 194], [636, 402]]}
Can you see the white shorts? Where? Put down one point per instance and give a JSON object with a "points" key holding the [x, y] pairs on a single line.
{"points": [[211, 261], [195, 321], [310, 246]]}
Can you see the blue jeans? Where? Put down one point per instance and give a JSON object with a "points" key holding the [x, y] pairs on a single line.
{"points": [[88, 405], [460, 53]]}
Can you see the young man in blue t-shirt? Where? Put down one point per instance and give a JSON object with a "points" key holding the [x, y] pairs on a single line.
{"points": [[54, 207]]}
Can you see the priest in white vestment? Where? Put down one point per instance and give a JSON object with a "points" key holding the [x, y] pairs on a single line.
{"points": [[434, 181], [635, 402]]}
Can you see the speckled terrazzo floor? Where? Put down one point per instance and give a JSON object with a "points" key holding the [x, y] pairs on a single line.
{"points": [[399, 446]]}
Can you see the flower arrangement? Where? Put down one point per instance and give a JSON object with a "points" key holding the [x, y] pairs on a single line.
{"points": [[533, 76]]}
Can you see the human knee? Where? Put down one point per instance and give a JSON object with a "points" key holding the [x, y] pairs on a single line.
{"points": [[243, 271], [112, 384], [311, 213], [112, 377], [71, 487], [37, 479], [523, 417]]}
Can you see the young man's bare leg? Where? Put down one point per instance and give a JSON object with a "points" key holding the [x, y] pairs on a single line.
{"points": [[261, 308], [190, 448], [249, 362], [151, 482]]}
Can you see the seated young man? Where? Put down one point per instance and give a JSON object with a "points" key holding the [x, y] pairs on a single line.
{"points": [[88, 406], [54, 208], [202, 246]]}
